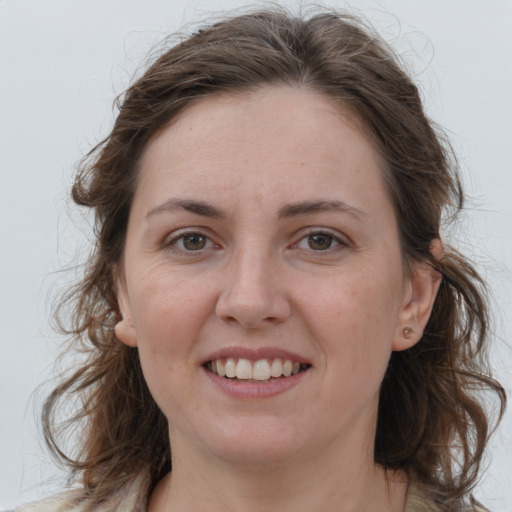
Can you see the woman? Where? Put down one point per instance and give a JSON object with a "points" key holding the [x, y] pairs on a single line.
{"points": [[270, 317]]}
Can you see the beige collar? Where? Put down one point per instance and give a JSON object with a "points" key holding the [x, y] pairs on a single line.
{"points": [[418, 502]]}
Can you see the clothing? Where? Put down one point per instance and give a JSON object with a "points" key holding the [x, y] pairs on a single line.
{"points": [[417, 501]]}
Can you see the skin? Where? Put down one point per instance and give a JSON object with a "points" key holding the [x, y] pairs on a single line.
{"points": [[254, 276]]}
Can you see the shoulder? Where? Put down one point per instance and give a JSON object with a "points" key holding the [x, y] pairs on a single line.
{"points": [[130, 497], [478, 507], [72, 502], [64, 502], [419, 501]]}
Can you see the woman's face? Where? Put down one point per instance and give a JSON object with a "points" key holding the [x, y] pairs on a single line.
{"points": [[261, 240]]}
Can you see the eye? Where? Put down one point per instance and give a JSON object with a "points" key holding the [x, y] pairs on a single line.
{"points": [[320, 241], [190, 242]]}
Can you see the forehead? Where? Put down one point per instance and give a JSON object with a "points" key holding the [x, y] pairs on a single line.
{"points": [[267, 108], [291, 138]]}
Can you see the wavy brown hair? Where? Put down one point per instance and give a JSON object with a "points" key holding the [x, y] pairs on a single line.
{"points": [[432, 422]]}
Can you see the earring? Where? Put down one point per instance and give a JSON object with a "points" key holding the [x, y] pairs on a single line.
{"points": [[407, 331]]}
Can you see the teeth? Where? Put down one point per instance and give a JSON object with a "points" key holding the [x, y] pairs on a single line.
{"points": [[221, 369], [244, 369], [261, 370], [287, 368], [230, 368], [276, 370]]}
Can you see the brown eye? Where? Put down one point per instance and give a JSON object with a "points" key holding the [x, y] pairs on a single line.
{"points": [[320, 241], [189, 242], [193, 242]]}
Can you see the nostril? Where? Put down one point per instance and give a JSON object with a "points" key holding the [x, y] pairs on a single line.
{"points": [[252, 323], [253, 314], [252, 296]]}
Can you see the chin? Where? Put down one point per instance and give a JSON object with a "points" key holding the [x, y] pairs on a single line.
{"points": [[257, 456], [256, 444]]}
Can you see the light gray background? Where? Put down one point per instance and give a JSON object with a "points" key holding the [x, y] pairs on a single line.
{"points": [[61, 64]]}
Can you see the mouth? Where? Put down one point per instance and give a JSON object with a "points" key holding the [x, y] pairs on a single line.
{"points": [[261, 370]]}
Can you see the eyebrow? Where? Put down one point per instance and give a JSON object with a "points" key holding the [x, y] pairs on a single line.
{"points": [[198, 207], [308, 207], [297, 209]]}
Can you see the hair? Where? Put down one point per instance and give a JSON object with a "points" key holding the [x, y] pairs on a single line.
{"points": [[432, 422]]}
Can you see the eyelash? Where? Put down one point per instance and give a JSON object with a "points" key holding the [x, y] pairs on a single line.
{"points": [[180, 238], [339, 242]]}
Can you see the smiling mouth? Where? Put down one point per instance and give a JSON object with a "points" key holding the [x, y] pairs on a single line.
{"points": [[261, 370]]}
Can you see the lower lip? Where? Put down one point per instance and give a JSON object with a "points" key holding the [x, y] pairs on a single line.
{"points": [[241, 389]]}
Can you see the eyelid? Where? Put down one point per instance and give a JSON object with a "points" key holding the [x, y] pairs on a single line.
{"points": [[170, 241], [341, 240]]}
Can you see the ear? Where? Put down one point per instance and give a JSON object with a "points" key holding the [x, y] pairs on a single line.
{"points": [[420, 292], [124, 329]]}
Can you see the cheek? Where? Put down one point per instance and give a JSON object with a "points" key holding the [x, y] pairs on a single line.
{"points": [[167, 307], [355, 321], [168, 316]]}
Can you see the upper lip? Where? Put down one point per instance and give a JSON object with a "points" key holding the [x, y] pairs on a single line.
{"points": [[254, 354]]}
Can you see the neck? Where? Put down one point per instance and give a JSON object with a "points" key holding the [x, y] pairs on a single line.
{"points": [[331, 482]]}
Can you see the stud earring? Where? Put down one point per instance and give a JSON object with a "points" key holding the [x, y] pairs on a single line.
{"points": [[407, 331]]}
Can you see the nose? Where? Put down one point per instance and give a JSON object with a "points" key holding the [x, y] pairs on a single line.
{"points": [[253, 292]]}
